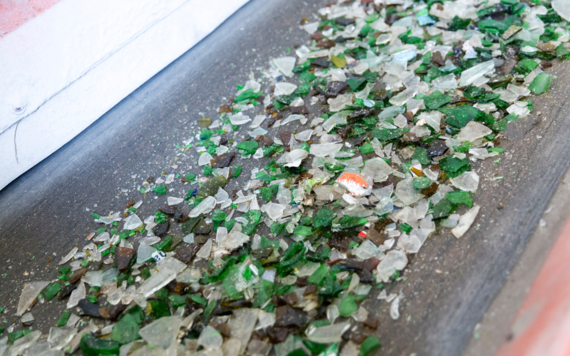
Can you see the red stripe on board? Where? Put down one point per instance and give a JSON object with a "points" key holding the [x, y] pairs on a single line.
{"points": [[15, 13], [542, 325]]}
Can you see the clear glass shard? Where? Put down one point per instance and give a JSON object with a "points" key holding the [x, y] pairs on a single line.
{"points": [[468, 181], [204, 252], [473, 131], [204, 159], [210, 338], [144, 252], [285, 65], [406, 192], [476, 72], [76, 295], [132, 222], [242, 324], [59, 337], [29, 295], [204, 207], [69, 256], [394, 307], [174, 200], [162, 332], [328, 334], [326, 149], [465, 222], [395, 260]]}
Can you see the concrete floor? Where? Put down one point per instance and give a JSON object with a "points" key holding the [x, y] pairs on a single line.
{"points": [[450, 283]]}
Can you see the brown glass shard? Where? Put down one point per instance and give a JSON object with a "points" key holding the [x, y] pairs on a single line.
{"points": [[370, 264], [168, 209], [222, 161], [371, 322], [77, 275], [375, 237], [299, 109], [289, 298], [429, 191], [123, 257], [285, 137], [186, 254], [130, 203], [277, 335], [224, 109], [303, 176], [288, 317]]}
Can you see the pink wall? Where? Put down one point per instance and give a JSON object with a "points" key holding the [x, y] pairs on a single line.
{"points": [[14, 13]]}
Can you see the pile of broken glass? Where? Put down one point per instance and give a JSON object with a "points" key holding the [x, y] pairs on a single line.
{"points": [[394, 101]]}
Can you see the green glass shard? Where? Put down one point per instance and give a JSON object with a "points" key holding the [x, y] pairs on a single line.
{"points": [[157, 308], [205, 134], [276, 227], [334, 167], [329, 287], [92, 346], [159, 189], [421, 155], [442, 209], [421, 182], [177, 301], [366, 149], [51, 290], [236, 171], [198, 299], [540, 84], [219, 215], [314, 347], [349, 222], [321, 255], [526, 66], [318, 275], [247, 94], [62, 321], [347, 306], [436, 100], [453, 166], [457, 23], [165, 244], [303, 230], [459, 198], [323, 218], [126, 330], [230, 224], [253, 217], [493, 26], [386, 134], [405, 228], [264, 177], [460, 116], [369, 346], [15, 335], [297, 352], [248, 147], [266, 193], [293, 254], [307, 77], [355, 83], [265, 293], [473, 92]]}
